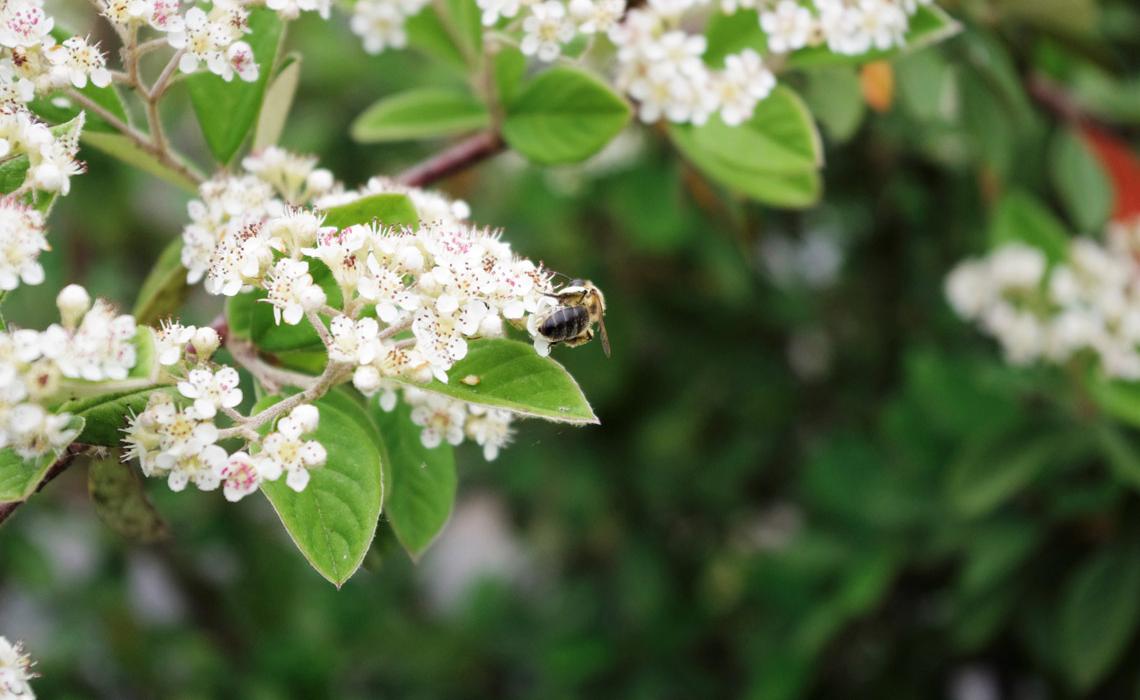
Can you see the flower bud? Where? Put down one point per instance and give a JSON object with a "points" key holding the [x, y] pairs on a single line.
{"points": [[320, 180], [73, 302], [205, 342]]}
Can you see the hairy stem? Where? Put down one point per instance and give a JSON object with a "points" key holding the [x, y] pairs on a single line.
{"points": [[457, 158], [270, 377]]}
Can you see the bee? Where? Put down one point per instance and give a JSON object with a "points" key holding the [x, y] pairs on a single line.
{"points": [[580, 306]]}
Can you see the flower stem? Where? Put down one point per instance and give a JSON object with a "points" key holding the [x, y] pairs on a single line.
{"points": [[459, 157]]}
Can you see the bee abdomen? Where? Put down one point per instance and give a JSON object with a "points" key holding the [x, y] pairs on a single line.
{"points": [[565, 323]]}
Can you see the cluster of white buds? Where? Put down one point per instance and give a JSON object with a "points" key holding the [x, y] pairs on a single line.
{"points": [[1089, 303], [15, 672], [31, 62], [176, 437], [90, 344], [380, 24], [443, 419], [209, 37], [50, 153]]}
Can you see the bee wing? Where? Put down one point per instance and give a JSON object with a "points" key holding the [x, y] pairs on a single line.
{"points": [[605, 336]]}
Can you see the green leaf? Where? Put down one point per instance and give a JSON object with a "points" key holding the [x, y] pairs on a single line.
{"points": [[836, 100], [106, 415], [565, 115], [1022, 219], [1120, 453], [423, 481], [20, 477], [1098, 614], [165, 288], [929, 25], [774, 157], [58, 108], [126, 150], [989, 471], [422, 113], [427, 33], [275, 108], [463, 21], [227, 111], [386, 209], [13, 171], [730, 34], [121, 503], [333, 521], [1080, 180], [510, 67], [511, 375]]}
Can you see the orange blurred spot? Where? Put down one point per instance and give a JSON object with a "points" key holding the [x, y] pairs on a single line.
{"points": [[1123, 170], [878, 82]]}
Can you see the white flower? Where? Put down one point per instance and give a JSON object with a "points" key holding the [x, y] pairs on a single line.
{"points": [[788, 26], [15, 672], [441, 418], [291, 9], [31, 431], [171, 340], [596, 16], [546, 30], [75, 62], [23, 23], [241, 476], [494, 9], [354, 342], [101, 348], [210, 39], [490, 428], [380, 23], [744, 82], [285, 449], [212, 390], [21, 242], [292, 292]]}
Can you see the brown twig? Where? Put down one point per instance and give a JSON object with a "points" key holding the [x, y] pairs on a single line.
{"points": [[459, 157], [59, 467]]}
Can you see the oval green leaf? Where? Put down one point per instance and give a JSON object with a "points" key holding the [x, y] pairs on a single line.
{"points": [[423, 481], [121, 503], [227, 110], [511, 375], [424, 113], [334, 520], [1099, 614], [565, 115]]}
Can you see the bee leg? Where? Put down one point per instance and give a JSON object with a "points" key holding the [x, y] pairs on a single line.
{"points": [[585, 337]]}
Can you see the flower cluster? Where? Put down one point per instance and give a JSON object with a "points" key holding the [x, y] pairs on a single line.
{"points": [[50, 152], [380, 24], [1088, 303], [443, 419], [32, 62], [15, 672], [849, 27], [90, 344], [179, 442], [202, 37], [226, 241]]}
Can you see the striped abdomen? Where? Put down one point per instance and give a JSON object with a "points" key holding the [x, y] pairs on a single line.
{"points": [[564, 323]]}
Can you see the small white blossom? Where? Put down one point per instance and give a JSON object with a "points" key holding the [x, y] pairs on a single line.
{"points": [[286, 451], [546, 30], [15, 672], [788, 26], [21, 242], [211, 391], [292, 292]]}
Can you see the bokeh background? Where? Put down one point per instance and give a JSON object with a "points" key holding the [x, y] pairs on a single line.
{"points": [[783, 497]]}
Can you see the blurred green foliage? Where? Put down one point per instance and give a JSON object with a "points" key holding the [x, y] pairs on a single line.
{"points": [[811, 480]]}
